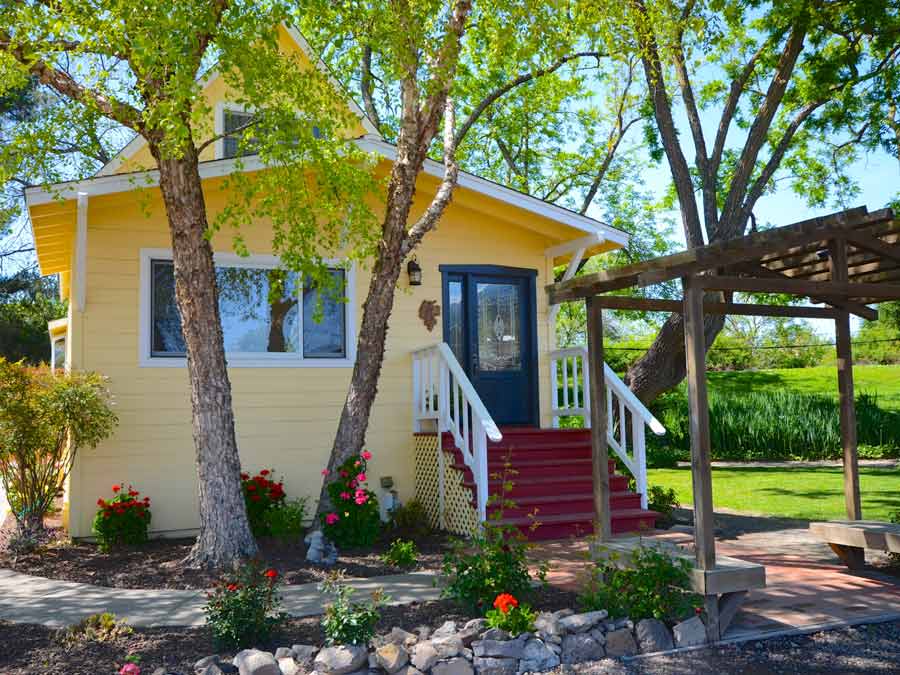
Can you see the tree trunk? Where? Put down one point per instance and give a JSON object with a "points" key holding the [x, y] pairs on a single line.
{"points": [[663, 366], [351, 433], [225, 535]]}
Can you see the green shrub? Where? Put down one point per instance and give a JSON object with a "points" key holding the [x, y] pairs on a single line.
{"points": [[651, 585], [410, 520], [664, 501], [894, 558], [285, 522], [45, 418], [103, 627], [123, 520], [775, 424], [347, 622], [401, 554], [355, 520], [243, 609], [507, 614]]}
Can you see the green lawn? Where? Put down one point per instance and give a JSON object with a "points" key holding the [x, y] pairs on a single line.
{"points": [[807, 493], [882, 381]]}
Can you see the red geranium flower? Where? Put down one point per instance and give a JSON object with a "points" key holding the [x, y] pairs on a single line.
{"points": [[272, 574], [264, 472], [251, 486], [232, 587], [504, 602], [255, 498], [116, 488], [100, 502]]}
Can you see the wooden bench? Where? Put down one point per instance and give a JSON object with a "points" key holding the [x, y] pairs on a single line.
{"points": [[730, 580], [850, 538]]}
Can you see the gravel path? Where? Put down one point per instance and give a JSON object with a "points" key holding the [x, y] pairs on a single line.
{"points": [[873, 649]]}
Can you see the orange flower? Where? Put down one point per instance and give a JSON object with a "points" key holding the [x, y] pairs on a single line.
{"points": [[504, 602], [272, 574]]}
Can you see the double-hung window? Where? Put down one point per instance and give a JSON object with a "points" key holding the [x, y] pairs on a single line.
{"points": [[235, 123], [268, 316]]}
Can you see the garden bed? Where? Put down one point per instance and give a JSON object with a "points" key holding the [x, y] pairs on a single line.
{"points": [[156, 564], [30, 649]]}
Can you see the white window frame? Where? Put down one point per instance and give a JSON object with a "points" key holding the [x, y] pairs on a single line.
{"points": [[219, 125], [246, 359]]}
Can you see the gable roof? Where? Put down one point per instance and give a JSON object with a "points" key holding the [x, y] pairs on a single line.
{"points": [[138, 141]]}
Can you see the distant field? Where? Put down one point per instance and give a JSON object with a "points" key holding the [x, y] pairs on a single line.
{"points": [[807, 493], [883, 381]]}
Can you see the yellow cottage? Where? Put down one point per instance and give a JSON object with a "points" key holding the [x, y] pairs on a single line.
{"points": [[475, 332]]}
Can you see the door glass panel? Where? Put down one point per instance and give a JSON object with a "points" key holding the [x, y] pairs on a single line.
{"points": [[499, 327], [455, 320]]}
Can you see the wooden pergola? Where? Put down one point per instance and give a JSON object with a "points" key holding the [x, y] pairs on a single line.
{"points": [[841, 262]]}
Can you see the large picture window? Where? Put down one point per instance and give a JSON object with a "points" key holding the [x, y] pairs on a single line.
{"points": [[267, 315]]}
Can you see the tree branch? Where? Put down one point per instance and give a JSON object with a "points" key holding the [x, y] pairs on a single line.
{"points": [[497, 93], [367, 88]]}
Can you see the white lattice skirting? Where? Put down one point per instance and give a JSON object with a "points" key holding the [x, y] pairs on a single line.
{"points": [[455, 512]]}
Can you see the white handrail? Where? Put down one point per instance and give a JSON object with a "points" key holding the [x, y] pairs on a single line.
{"points": [[442, 392], [565, 366]]}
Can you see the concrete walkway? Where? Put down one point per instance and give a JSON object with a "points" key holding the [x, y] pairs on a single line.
{"points": [[29, 599]]}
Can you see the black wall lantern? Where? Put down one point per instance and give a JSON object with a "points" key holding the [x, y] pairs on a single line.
{"points": [[414, 271]]}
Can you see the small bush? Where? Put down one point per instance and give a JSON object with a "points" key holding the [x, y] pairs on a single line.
{"points": [[894, 558], [652, 585], [355, 521], [244, 608], [45, 418], [347, 622], [492, 562], [401, 554], [262, 494], [285, 522], [664, 501], [510, 616], [410, 520], [103, 627], [123, 520]]}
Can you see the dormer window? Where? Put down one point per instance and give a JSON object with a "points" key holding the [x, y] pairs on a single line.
{"points": [[234, 126]]}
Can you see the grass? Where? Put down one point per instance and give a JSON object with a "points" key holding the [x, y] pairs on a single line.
{"points": [[882, 381], [809, 493]]}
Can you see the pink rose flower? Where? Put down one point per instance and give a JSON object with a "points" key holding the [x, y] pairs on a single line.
{"points": [[361, 478], [325, 472], [361, 499], [366, 455], [130, 669], [345, 495], [332, 518]]}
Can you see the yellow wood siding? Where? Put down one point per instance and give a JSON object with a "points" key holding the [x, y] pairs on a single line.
{"points": [[286, 417]]}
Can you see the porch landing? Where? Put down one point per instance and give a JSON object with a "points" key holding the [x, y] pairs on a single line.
{"points": [[807, 586]]}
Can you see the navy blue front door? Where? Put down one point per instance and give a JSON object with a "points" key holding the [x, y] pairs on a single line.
{"points": [[490, 324]]}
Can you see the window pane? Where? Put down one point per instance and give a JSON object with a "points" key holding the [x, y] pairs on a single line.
{"points": [[59, 353], [258, 308], [166, 339], [325, 338], [231, 144], [499, 346], [455, 321]]}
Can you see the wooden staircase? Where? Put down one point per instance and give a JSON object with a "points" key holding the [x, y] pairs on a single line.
{"points": [[551, 477]]}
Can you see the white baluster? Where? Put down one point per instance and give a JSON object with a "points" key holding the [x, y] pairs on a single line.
{"points": [[481, 473], [565, 367], [623, 435], [586, 369], [554, 392], [640, 456]]}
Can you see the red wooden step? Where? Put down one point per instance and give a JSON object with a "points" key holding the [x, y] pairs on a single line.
{"points": [[581, 524], [556, 505]]}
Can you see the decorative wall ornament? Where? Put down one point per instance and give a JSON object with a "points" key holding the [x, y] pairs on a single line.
{"points": [[429, 311]]}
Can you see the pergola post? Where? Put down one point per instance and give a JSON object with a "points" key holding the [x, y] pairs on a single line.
{"points": [[701, 467], [599, 449], [839, 273]]}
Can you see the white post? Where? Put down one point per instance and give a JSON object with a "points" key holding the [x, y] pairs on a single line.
{"points": [[417, 399], [554, 391], [640, 456], [481, 477], [586, 371]]}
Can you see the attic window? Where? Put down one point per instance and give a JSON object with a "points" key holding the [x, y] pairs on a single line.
{"points": [[233, 125]]}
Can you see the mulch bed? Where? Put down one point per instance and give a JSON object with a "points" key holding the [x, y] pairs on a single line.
{"points": [[29, 649], [156, 564]]}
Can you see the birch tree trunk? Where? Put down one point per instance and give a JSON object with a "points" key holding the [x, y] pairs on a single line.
{"points": [[225, 535]]}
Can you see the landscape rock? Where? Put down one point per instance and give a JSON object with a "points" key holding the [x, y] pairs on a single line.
{"points": [[547, 623], [580, 648], [304, 654], [212, 669], [283, 653], [598, 635], [476, 625], [620, 643], [288, 666], [507, 649], [448, 647], [537, 656], [341, 660], [207, 661], [455, 666], [409, 669], [486, 665], [425, 655], [496, 634], [581, 623], [392, 657], [690, 633], [401, 637], [446, 629], [563, 613], [424, 632], [653, 636], [255, 662]]}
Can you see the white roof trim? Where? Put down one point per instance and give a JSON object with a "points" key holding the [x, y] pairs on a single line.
{"points": [[575, 245], [101, 185], [211, 75]]}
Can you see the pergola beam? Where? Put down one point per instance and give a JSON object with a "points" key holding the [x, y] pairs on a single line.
{"points": [[837, 289], [620, 302]]}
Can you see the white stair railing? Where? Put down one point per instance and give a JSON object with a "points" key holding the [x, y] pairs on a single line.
{"points": [[442, 392], [570, 372]]}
